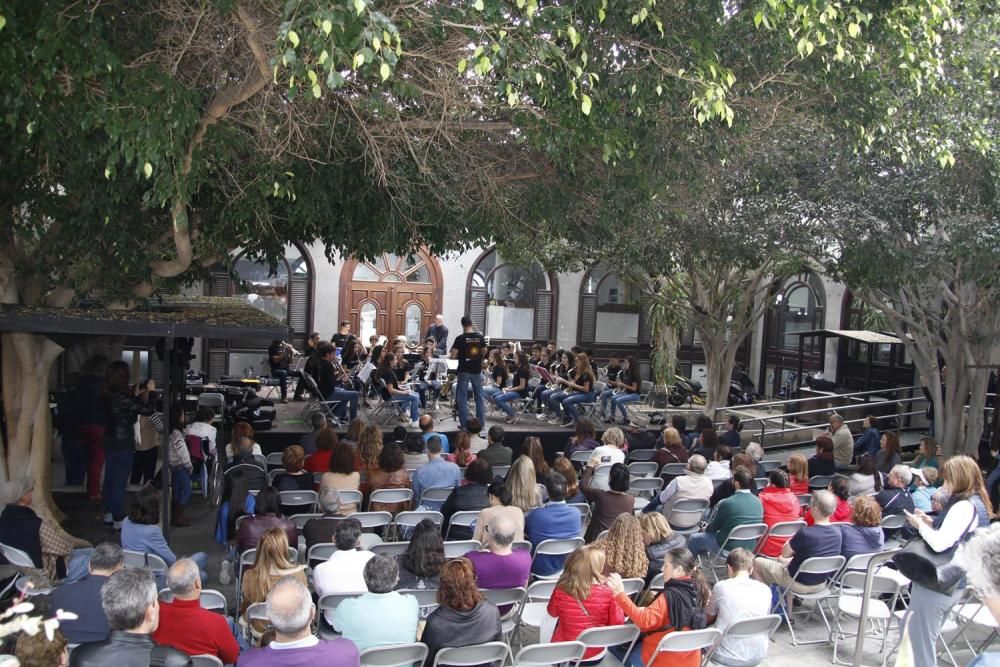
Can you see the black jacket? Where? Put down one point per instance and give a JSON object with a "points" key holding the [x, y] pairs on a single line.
{"points": [[122, 411], [471, 497], [19, 528], [449, 627], [125, 649]]}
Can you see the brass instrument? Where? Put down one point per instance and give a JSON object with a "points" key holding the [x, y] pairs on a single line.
{"points": [[445, 391]]}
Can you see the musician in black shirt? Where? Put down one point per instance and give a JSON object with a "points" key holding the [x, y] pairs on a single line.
{"points": [[333, 382], [279, 356], [626, 388], [341, 335], [518, 388], [470, 349], [613, 371], [439, 332], [392, 391]]}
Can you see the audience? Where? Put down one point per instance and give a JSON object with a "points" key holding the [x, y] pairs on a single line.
{"points": [[369, 448], [924, 481], [866, 480], [720, 467], [780, 505], [495, 452], [320, 529], [979, 558], [390, 474], [83, 597], [671, 448], [927, 454], [612, 449], [129, 601], [38, 650], [427, 432], [415, 455], [290, 611], [843, 441], [581, 599], [141, 530], [726, 488], [659, 539], [692, 485], [895, 498], [500, 507], [583, 438], [798, 474], [463, 617], [267, 515], [624, 548], [353, 436], [499, 565], [864, 534], [680, 606], [270, 565], [607, 505], [820, 539], [841, 489], [521, 481], [706, 444], [420, 566], [294, 477], [242, 430], [472, 496], [381, 616], [477, 442], [740, 509], [731, 436], [319, 461], [462, 455], [185, 625], [532, 448], [308, 441], [556, 520], [868, 441], [573, 493], [181, 469], [343, 571], [822, 462], [735, 599], [436, 473], [342, 475], [889, 454]]}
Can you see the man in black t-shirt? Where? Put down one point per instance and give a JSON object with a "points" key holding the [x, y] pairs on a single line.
{"points": [[278, 358], [439, 332], [470, 350], [341, 335]]}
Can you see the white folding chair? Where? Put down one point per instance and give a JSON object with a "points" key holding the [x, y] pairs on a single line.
{"points": [[139, 559], [320, 553], [262, 460], [656, 583], [584, 511], [373, 520], [761, 482], [411, 518], [820, 482], [826, 566], [205, 660], [295, 502], [643, 468], [458, 548], [684, 641], [974, 612], [435, 497], [641, 455], [547, 655], [670, 471], [508, 601], [849, 602], [273, 461], [390, 496], [501, 471], [782, 529], [746, 629], [394, 655], [745, 533], [255, 612], [523, 545], [581, 456], [463, 519], [686, 514], [766, 467], [563, 547], [893, 521], [426, 598], [212, 600], [391, 549], [350, 496], [534, 608], [465, 656], [646, 487], [300, 520], [608, 636], [326, 607], [20, 558]]}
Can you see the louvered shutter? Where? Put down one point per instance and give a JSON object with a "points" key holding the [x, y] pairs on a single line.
{"points": [[645, 334], [220, 284], [477, 308], [218, 364], [543, 315], [588, 318], [298, 309]]}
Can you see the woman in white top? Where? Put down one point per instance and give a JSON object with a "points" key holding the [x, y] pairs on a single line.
{"points": [[611, 450], [202, 428], [242, 430], [867, 480], [968, 507]]}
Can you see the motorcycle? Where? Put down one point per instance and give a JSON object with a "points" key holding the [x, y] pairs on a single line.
{"points": [[685, 390], [742, 390]]}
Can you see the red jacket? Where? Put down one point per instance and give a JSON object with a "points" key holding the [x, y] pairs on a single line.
{"points": [[842, 513], [187, 627], [779, 505], [572, 620], [800, 487]]}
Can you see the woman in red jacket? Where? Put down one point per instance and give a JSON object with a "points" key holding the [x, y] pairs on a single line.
{"points": [[680, 606], [798, 474], [840, 488], [581, 599], [780, 504]]}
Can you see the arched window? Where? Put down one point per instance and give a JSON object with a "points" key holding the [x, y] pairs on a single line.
{"points": [[799, 307], [609, 309], [511, 302]]}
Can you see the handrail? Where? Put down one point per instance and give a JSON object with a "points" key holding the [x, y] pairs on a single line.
{"points": [[871, 392]]}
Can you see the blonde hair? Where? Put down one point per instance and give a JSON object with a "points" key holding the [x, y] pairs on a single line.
{"points": [[655, 527], [798, 467], [522, 485], [965, 479], [270, 565], [370, 446], [671, 436], [624, 549], [614, 437], [584, 568]]}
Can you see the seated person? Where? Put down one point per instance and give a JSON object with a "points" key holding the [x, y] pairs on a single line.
{"points": [[471, 496], [607, 504], [692, 485], [381, 616], [271, 564], [343, 572], [290, 611], [556, 520], [734, 599], [740, 509], [436, 473], [267, 514], [501, 504], [495, 453], [294, 477], [839, 487], [390, 474], [83, 597], [864, 534], [415, 455], [583, 438], [141, 530], [895, 498], [780, 505], [463, 617], [420, 566], [319, 530], [185, 625], [129, 601], [582, 599], [499, 565], [342, 476], [719, 468], [822, 462], [670, 447], [924, 481]]}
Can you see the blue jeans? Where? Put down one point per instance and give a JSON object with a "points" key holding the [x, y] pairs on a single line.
{"points": [[542, 395], [117, 470], [555, 402], [634, 658], [619, 402], [181, 484], [413, 401], [462, 396], [346, 398], [78, 565], [570, 402], [501, 401], [281, 375], [605, 398], [703, 543]]}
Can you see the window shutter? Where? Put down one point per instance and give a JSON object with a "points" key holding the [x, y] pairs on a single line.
{"points": [[645, 334], [220, 284], [588, 318], [299, 308], [218, 364], [543, 315], [477, 308]]}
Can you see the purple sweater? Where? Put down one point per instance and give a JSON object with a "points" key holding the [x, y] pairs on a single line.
{"points": [[493, 571], [329, 653]]}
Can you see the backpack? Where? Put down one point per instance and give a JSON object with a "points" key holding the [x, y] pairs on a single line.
{"points": [[196, 447]]}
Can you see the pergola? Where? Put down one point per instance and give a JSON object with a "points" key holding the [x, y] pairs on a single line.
{"points": [[166, 321], [869, 338]]}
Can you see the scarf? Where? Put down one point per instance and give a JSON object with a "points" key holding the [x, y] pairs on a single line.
{"points": [[683, 611]]}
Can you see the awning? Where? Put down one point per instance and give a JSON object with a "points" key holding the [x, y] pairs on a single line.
{"points": [[869, 337]]}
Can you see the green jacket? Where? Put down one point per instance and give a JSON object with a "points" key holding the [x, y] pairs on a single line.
{"points": [[738, 509]]}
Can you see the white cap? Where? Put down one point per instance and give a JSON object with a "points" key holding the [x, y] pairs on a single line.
{"points": [[917, 472]]}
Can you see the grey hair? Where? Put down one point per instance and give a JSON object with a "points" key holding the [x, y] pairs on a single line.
{"points": [[697, 464], [182, 576], [329, 500], [292, 614], [980, 557], [755, 451], [903, 473], [838, 417], [502, 531], [823, 504], [318, 421], [126, 596], [381, 573], [106, 556]]}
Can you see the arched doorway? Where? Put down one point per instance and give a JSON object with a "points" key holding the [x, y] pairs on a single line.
{"points": [[800, 306], [391, 295], [510, 302]]}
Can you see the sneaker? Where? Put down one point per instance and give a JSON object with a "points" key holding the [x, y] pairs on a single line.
{"points": [[511, 420], [569, 423], [108, 519], [414, 424], [226, 572], [117, 525], [555, 422]]}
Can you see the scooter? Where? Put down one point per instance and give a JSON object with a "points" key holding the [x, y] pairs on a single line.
{"points": [[685, 390], [742, 390]]}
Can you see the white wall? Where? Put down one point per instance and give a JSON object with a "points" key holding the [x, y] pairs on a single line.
{"points": [[326, 302]]}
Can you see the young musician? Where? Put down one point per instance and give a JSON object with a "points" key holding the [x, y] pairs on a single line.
{"points": [[518, 388], [560, 367], [308, 352], [578, 389], [613, 371], [279, 356], [469, 348], [626, 388], [341, 335], [391, 390], [498, 371], [333, 382], [429, 379]]}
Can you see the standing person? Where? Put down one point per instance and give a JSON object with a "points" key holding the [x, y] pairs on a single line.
{"points": [[123, 405], [843, 441], [469, 348], [581, 599], [92, 419], [735, 599], [967, 508], [439, 332], [343, 331], [147, 448]]}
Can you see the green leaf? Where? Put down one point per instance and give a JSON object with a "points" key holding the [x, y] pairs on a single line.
{"points": [[293, 37], [147, 169], [107, 173], [479, 6], [359, 6], [574, 38], [538, 78], [323, 57], [601, 15], [757, 18], [312, 77], [853, 29], [3, 21], [462, 64], [327, 26], [512, 98], [384, 71], [317, 91], [359, 60], [585, 104]]}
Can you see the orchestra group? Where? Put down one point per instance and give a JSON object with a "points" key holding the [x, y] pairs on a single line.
{"points": [[545, 381]]}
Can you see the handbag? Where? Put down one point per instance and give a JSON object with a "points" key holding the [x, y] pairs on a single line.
{"points": [[932, 569]]}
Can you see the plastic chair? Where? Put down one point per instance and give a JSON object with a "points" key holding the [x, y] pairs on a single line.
{"points": [[672, 470], [685, 515], [581, 456], [534, 608], [643, 468], [205, 660], [465, 656], [584, 511], [255, 612], [563, 547], [394, 655], [635, 414], [785, 529], [295, 502], [464, 519], [300, 520], [686, 640], [761, 482], [829, 567], [501, 471], [351, 496], [390, 496], [412, 518], [640, 455], [325, 608], [849, 603], [20, 558], [320, 553], [435, 495], [744, 533], [547, 655], [612, 635], [767, 466], [820, 482], [213, 600], [392, 549], [509, 599], [656, 583], [373, 519], [646, 486], [893, 521], [139, 559], [975, 613], [273, 461], [458, 548], [426, 598], [745, 629], [523, 545]]}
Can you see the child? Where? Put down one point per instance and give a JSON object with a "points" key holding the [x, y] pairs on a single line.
{"points": [[924, 480]]}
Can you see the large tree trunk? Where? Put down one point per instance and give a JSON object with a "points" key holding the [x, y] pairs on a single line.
{"points": [[720, 359]]}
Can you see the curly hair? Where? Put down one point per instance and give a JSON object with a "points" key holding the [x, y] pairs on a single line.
{"points": [[624, 548], [370, 446], [292, 458], [390, 459], [866, 512], [458, 589]]}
